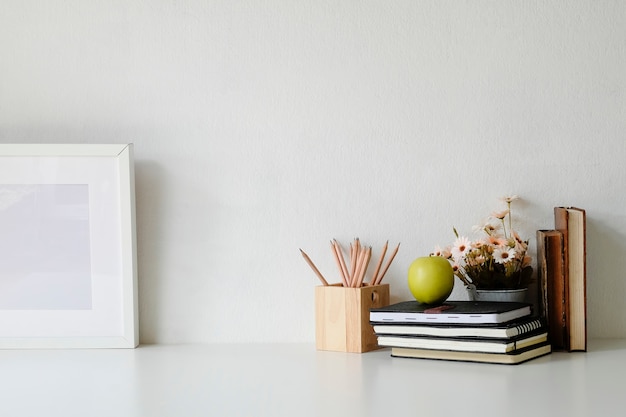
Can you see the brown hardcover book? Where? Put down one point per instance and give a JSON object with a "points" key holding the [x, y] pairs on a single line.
{"points": [[551, 263], [571, 221]]}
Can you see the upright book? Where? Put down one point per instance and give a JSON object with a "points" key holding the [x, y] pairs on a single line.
{"points": [[571, 221], [454, 312], [552, 273]]}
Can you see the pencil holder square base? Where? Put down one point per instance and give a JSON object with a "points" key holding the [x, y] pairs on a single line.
{"points": [[342, 317]]}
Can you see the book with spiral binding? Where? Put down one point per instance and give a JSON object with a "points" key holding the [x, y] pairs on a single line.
{"points": [[499, 331], [465, 344]]}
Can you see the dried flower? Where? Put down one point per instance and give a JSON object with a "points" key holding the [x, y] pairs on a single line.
{"points": [[503, 254], [500, 215], [497, 260], [510, 198], [461, 246]]}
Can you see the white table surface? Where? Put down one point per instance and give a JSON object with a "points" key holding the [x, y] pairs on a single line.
{"points": [[296, 380]]}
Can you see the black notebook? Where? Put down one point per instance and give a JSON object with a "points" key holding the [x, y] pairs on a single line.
{"points": [[461, 312]]}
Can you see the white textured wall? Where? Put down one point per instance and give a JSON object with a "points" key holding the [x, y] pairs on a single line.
{"points": [[262, 127]]}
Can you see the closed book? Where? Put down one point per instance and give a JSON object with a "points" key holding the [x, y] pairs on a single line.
{"points": [[451, 312], [513, 358], [464, 344], [552, 269], [497, 331], [571, 221]]}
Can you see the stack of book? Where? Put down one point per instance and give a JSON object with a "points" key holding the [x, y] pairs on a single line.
{"points": [[498, 332]]}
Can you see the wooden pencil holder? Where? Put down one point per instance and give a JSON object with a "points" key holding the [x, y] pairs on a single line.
{"points": [[342, 317]]}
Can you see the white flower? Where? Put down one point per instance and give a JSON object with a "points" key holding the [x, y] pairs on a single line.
{"points": [[509, 198], [461, 246], [500, 215], [486, 227], [503, 254]]}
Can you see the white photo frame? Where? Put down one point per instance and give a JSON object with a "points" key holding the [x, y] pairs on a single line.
{"points": [[68, 272]]}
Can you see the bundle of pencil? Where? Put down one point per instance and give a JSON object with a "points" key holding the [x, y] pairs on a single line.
{"points": [[353, 271]]}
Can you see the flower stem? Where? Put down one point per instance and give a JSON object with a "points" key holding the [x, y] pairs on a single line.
{"points": [[510, 216]]}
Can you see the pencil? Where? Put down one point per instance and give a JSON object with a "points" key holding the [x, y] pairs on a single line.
{"points": [[314, 268], [359, 267], [335, 250], [365, 264], [393, 255], [353, 256], [342, 261], [380, 263]]}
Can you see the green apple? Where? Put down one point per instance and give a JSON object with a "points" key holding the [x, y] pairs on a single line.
{"points": [[431, 279]]}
